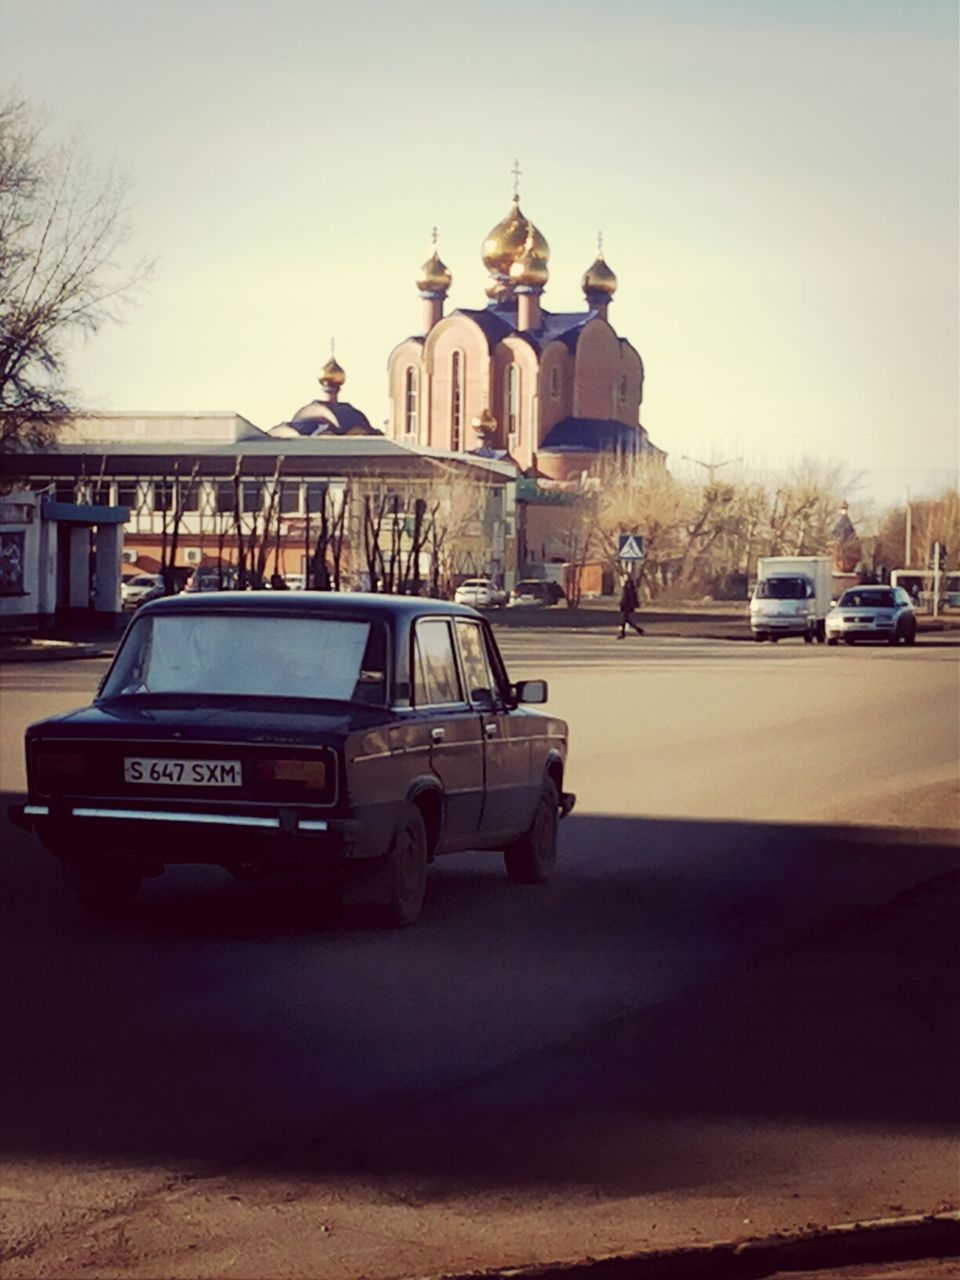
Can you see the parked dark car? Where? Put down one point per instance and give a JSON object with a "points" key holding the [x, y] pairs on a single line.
{"points": [[539, 592], [212, 577], [359, 736]]}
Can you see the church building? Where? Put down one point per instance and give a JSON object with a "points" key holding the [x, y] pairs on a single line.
{"points": [[551, 391]]}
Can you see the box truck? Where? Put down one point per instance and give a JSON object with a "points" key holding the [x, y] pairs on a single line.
{"points": [[791, 597]]}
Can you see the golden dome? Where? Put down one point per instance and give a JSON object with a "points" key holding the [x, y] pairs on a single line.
{"points": [[331, 375], [505, 242], [497, 289], [484, 424], [598, 278], [434, 275], [530, 269], [539, 243]]}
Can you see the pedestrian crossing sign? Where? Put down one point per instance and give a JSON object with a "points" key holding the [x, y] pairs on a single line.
{"points": [[631, 546]]}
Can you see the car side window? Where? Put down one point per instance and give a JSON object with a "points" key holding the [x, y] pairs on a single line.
{"points": [[501, 680], [481, 688], [436, 680]]}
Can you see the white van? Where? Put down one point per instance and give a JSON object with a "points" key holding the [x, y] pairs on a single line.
{"points": [[792, 598]]}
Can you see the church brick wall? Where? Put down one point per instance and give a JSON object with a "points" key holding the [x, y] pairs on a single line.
{"points": [[598, 368], [557, 358]]}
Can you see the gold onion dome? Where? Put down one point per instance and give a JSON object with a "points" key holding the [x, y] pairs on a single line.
{"points": [[598, 278], [331, 375], [508, 240], [434, 275], [530, 269], [505, 242]]}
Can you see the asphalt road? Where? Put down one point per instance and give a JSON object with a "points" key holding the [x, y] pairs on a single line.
{"points": [[226, 1052]]}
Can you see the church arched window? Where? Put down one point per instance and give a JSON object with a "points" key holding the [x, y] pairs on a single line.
{"points": [[555, 383], [623, 389], [456, 400], [512, 405], [410, 402]]}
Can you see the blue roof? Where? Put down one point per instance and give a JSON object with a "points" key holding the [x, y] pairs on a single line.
{"points": [[499, 320], [592, 435], [331, 417]]}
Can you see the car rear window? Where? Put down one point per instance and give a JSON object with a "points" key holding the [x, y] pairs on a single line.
{"points": [[269, 656]]}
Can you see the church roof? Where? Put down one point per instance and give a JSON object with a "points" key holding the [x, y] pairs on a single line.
{"points": [[499, 320], [325, 417], [592, 435]]}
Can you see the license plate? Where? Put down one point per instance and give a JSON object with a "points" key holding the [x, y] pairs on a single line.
{"points": [[186, 773]]}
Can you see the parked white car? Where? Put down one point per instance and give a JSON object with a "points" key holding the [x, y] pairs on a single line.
{"points": [[481, 593], [138, 585]]}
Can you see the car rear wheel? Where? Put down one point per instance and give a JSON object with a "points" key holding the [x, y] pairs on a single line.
{"points": [[404, 872], [105, 889], [832, 640], [532, 858]]}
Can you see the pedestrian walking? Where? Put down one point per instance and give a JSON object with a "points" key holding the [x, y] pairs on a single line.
{"points": [[628, 604]]}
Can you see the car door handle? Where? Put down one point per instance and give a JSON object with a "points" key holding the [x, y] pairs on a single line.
{"points": [[491, 728], [437, 734]]}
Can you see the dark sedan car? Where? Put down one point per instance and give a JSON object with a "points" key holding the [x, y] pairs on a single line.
{"points": [[357, 736]]}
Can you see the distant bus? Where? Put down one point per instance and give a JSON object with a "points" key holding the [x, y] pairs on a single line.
{"points": [[918, 583]]}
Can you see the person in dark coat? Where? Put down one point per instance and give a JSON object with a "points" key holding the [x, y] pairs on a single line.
{"points": [[628, 604]]}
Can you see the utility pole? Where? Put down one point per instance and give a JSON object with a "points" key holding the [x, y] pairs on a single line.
{"points": [[907, 549], [711, 467], [937, 548]]}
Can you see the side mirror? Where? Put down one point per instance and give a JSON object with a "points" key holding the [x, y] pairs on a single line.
{"points": [[530, 691]]}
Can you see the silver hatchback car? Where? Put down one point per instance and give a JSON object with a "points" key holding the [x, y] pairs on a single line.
{"points": [[872, 613]]}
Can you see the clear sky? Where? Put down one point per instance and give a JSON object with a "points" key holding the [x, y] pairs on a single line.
{"points": [[776, 180]]}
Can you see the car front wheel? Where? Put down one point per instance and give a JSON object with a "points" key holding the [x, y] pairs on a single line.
{"points": [[531, 859]]}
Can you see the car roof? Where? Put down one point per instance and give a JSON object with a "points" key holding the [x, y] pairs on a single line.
{"points": [[326, 602]]}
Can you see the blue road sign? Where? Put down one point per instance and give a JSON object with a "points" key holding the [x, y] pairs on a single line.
{"points": [[630, 547]]}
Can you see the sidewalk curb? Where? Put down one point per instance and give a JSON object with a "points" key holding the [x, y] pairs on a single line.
{"points": [[52, 651], [877, 1240]]}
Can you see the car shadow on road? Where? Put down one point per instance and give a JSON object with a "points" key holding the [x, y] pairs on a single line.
{"points": [[589, 1031]]}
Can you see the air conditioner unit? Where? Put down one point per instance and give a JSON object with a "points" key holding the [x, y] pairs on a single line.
{"points": [[192, 555], [128, 556]]}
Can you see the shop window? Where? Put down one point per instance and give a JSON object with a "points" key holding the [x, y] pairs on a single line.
{"points": [[11, 563]]}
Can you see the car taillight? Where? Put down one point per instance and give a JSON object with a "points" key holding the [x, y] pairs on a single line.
{"points": [[58, 768], [290, 774]]}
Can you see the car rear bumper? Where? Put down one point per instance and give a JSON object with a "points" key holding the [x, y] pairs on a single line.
{"points": [[188, 836]]}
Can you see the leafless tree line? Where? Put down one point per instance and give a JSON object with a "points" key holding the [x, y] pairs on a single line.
{"points": [[705, 539]]}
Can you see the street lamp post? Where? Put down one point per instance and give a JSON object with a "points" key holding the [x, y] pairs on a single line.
{"points": [[711, 467]]}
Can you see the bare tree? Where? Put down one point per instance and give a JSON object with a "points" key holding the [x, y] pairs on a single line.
{"points": [[62, 227]]}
